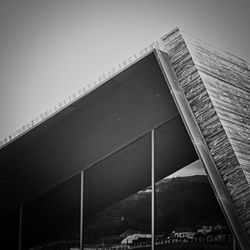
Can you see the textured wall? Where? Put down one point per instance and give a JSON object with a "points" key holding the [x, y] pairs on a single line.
{"points": [[217, 87]]}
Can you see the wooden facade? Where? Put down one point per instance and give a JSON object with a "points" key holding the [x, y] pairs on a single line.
{"points": [[216, 86]]}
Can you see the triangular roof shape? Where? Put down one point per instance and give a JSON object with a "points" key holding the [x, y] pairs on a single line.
{"points": [[199, 93]]}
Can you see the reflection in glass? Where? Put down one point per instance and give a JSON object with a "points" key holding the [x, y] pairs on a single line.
{"points": [[51, 221], [117, 202], [126, 223], [188, 215]]}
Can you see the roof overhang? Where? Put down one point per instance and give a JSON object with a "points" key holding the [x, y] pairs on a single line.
{"points": [[110, 117]]}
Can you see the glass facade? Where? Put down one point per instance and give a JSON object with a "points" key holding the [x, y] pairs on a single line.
{"points": [[123, 207], [52, 221], [9, 230], [116, 198], [187, 213]]}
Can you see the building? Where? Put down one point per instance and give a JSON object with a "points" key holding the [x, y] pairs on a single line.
{"points": [[204, 230], [135, 237], [183, 234], [179, 101]]}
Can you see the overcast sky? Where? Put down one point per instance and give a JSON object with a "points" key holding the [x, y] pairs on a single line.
{"points": [[50, 49], [194, 168]]}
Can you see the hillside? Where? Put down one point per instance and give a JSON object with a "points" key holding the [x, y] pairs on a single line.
{"points": [[181, 202]]}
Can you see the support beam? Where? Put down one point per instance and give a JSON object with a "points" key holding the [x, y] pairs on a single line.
{"points": [[81, 210], [20, 227], [153, 189]]}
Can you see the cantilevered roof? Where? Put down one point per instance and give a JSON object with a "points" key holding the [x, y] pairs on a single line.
{"points": [[124, 108]]}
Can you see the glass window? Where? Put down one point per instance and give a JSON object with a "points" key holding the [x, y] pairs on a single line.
{"points": [[9, 231], [187, 214], [117, 198], [51, 221]]}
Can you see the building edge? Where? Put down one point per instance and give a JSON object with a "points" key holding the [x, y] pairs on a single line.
{"points": [[81, 93], [198, 68]]}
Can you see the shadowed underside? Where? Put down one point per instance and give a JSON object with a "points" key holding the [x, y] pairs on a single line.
{"points": [[114, 115]]}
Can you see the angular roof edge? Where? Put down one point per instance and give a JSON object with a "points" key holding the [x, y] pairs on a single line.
{"points": [[82, 92], [103, 78]]}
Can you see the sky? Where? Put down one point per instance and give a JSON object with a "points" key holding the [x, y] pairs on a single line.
{"points": [[195, 168], [51, 48]]}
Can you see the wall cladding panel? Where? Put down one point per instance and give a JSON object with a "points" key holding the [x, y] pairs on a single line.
{"points": [[217, 87]]}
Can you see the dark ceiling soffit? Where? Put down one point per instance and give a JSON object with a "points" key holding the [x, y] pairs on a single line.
{"points": [[77, 99], [157, 124], [129, 142], [201, 148]]}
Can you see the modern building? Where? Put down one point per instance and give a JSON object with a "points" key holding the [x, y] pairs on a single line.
{"points": [[177, 102]]}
